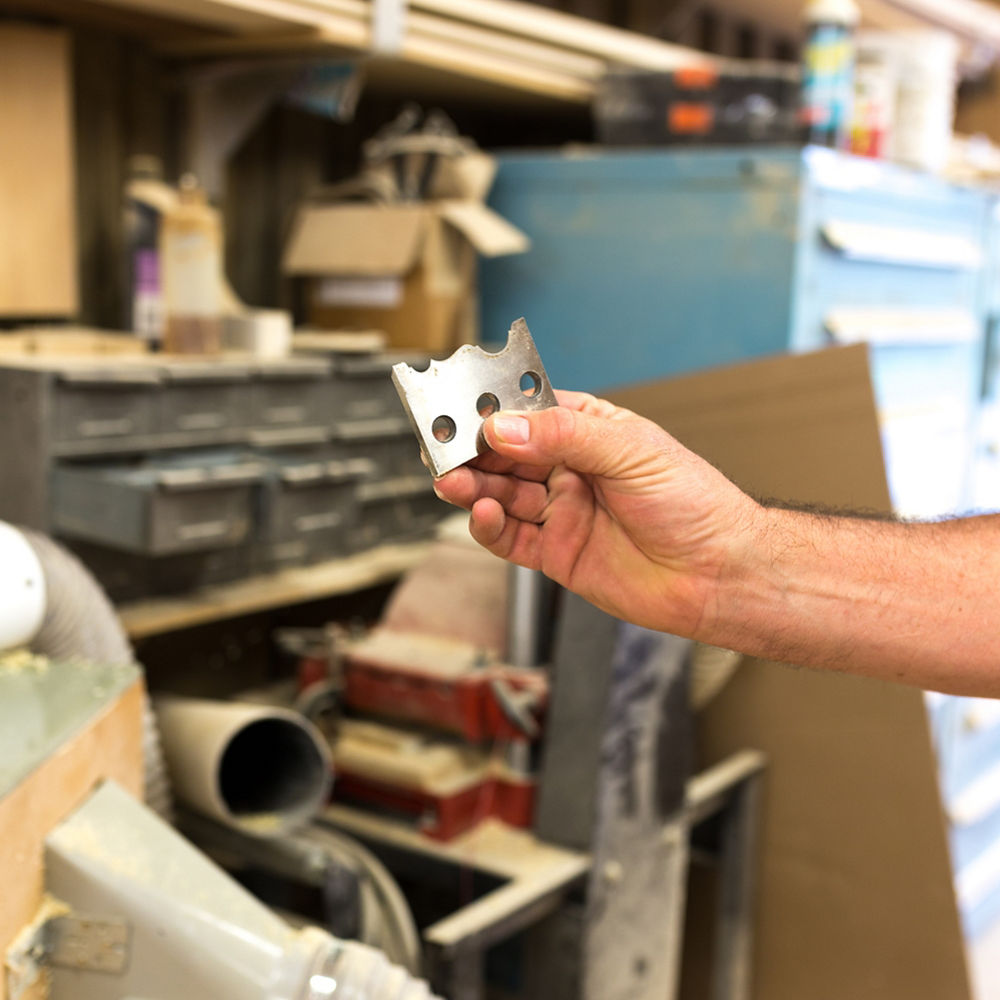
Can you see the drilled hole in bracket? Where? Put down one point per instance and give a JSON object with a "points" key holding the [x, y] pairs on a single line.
{"points": [[443, 429], [531, 384], [487, 404]]}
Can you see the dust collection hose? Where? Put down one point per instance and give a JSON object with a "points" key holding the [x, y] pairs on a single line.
{"points": [[50, 602]]}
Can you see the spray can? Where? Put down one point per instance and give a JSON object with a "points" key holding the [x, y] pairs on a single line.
{"points": [[827, 78]]}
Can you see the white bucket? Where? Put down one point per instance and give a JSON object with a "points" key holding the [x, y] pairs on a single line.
{"points": [[924, 63]]}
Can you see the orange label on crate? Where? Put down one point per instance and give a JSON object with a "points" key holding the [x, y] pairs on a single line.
{"points": [[696, 77], [685, 118]]}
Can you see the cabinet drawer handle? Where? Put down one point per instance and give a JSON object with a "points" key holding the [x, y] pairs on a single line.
{"points": [[106, 428], [206, 529], [901, 246], [902, 326], [285, 415], [201, 421], [317, 522]]}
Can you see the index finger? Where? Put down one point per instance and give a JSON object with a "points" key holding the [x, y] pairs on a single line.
{"points": [[490, 461], [586, 402]]}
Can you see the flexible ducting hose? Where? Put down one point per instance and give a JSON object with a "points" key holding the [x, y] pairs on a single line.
{"points": [[81, 622]]}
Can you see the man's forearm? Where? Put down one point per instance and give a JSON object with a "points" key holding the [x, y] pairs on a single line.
{"points": [[915, 603]]}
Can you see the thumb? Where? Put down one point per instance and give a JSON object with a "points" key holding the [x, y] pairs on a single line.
{"points": [[593, 445]]}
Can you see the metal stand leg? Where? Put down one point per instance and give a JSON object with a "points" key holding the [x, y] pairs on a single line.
{"points": [[458, 976], [734, 923]]}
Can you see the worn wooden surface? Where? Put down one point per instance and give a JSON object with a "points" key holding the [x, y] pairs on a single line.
{"points": [[70, 342], [491, 847], [37, 259], [110, 746], [305, 583]]}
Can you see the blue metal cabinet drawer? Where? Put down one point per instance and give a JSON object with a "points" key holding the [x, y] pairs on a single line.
{"points": [[976, 859], [986, 470], [967, 732], [993, 272], [977, 880], [886, 239], [926, 398]]}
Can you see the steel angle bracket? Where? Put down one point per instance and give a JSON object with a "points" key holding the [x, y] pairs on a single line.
{"points": [[448, 402]]}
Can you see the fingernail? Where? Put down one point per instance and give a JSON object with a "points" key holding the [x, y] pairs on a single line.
{"points": [[512, 430]]}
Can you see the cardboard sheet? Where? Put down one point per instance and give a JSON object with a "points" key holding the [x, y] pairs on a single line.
{"points": [[856, 899]]}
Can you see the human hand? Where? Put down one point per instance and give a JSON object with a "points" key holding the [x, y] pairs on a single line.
{"points": [[610, 506]]}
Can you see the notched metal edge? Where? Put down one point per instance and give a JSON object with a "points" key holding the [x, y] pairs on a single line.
{"points": [[399, 373], [518, 337]]}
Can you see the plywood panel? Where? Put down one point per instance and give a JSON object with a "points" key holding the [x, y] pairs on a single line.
{"points": [[110, 746], [37, 225]]}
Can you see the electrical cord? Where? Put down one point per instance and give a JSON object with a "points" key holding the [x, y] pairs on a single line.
{"points": [[387, 922]]}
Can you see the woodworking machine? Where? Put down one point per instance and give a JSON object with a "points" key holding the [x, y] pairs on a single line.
{"points": [[102, 898]]}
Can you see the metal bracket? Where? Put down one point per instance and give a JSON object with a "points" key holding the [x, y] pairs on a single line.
{"points": [[448, 402], [85, 943], [89, 944]]}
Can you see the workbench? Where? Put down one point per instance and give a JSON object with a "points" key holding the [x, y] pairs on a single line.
{"points": [[537, 877], [384, 564]]}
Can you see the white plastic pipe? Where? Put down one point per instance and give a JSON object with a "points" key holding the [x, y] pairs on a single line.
{"points": [[22, 589], [261, 769]]}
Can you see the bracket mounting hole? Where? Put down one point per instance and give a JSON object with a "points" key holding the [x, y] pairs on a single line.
{"points": [[443, 428], [487, 404], [531, 384]]}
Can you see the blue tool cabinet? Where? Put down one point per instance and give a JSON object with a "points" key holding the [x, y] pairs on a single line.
{"points": [[651, 263]]}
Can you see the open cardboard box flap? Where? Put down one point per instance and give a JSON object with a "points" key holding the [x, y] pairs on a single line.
{"points": [[490, 234], [856, 897]]}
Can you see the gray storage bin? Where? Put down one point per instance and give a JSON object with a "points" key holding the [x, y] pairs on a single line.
{"points": [[398, 510], [388, 443], [195, 504], [289, 402], [126, 576], [204, 402], [362, 386], [95, 406], [308, 509]]}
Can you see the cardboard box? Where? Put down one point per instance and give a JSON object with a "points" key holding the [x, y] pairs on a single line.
{"points": [[408, 269], [856, 894]]}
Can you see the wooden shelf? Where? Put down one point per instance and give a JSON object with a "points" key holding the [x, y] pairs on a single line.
{"points": [[143, 619], [503, 48]]}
